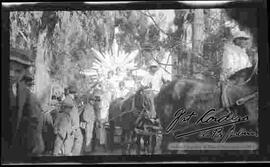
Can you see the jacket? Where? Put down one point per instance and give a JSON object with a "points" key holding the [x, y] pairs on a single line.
{"points": [[27, 122]]}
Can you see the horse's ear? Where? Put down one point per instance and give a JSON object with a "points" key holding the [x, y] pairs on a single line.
{"points": [[177, 90]]}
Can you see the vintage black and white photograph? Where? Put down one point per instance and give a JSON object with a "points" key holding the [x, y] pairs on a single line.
{"points": [[132, 82]]}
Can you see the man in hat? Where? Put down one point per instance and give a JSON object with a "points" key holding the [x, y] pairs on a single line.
{"points": [[88, 118], [154, 80], [63, 130], [122, 92], [234, 59], [75, 120], [24, 117]]}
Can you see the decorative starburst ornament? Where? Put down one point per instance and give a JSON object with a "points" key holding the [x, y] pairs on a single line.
{"points": [[109, 61]]}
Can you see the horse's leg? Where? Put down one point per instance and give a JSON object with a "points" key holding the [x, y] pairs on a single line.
{"points": [[111, 136], [52, 139], [145, 143], [129, 143], [123, 136], [153, 143], [93, 145], [148, 149], [138, 143], [164, 144]]}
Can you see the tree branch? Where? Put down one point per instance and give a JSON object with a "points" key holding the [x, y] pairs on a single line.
{"points": [[24, 37], [149, 15], [162, 64]]}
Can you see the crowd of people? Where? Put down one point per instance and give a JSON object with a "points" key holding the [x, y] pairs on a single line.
{"points": [[74, 126]]}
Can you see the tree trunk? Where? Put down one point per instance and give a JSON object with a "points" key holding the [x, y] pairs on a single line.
{"points": [[42, 78], [198, 36]]}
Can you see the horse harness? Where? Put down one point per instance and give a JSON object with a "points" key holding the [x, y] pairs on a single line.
{"points": [[133, 108], [238, 102]]}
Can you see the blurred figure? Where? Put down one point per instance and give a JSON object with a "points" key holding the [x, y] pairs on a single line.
{"points": [[119, 75], [75, 120], [63, 130], [154, 80], [24, 121], [103, 99], [88, 118], [122, 91], [111, 83], [235, 56], [234, 59], [130, 83]]}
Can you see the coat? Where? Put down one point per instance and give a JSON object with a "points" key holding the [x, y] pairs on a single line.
{"points": [[27, 122], [62, 125], [88, 114], [74, 114]]}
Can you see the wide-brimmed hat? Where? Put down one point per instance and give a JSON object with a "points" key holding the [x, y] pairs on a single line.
{"points": [[241, 35], [21, 56]]}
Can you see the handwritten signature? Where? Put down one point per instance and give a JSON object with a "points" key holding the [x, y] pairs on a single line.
{"points": [[219, 134], [210, 116]]}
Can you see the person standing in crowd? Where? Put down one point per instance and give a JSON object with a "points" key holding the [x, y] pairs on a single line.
{"points": [[89, 117], [24, 120], [130, 81], [119, 76], [97, 109], [154, 80], [63, 130], [106, 98], [75, 121], [122, 91], [110, 84], [234, 59], [103, 99]]}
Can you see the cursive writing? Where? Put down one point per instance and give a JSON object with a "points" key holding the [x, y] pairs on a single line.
{"points": [[177, 115], [208, 117], [231, 133]]}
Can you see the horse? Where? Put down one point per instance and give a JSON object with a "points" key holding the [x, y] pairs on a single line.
{"points": [[124, 113], [200, 96]]}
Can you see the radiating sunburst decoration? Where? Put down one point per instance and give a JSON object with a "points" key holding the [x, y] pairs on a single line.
{"points": [[109, 61]]}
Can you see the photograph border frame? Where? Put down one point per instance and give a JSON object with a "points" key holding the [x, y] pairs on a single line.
{"points": [[263, 49]]}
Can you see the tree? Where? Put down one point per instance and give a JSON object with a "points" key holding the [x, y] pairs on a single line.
{"points": [[198, 36]]}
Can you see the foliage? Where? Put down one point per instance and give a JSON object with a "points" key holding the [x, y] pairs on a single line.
{"points": [[70, 35]]}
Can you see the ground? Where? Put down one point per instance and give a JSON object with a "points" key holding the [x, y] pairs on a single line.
{"points": [[99, 150]]}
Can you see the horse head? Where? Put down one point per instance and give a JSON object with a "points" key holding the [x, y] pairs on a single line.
{"points": [[142, 100]]}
